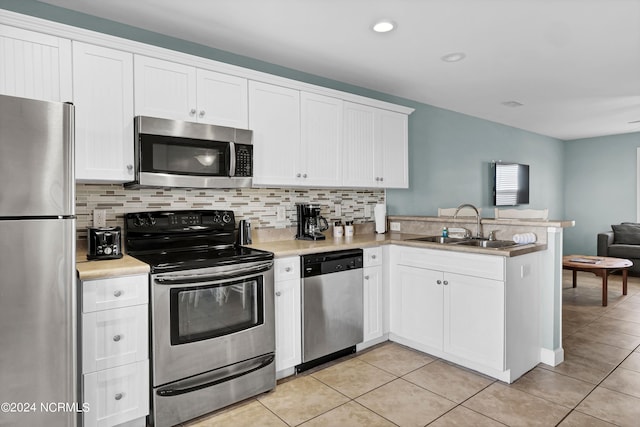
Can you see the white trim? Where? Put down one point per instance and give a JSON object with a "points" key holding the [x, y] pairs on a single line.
{"points": [[79, 34], [552, 357], [638, 184]]}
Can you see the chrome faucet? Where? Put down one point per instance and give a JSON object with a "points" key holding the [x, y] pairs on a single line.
{"points": [[478, 225]]}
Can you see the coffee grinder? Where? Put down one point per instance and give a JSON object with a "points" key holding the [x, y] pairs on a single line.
{"points": [[310, 223]]}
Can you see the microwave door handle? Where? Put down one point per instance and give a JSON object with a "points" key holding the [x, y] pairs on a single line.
{"points": [[232, 159]]}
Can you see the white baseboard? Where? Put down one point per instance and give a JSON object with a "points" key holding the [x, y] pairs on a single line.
{"points": [[552, 357]]}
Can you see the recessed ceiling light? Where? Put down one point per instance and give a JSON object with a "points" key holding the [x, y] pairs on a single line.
{"points": [[512, 104], [454, 57], [384, 26]]}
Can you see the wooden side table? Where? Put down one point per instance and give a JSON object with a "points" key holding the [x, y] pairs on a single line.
{"points": [[600, 266]]}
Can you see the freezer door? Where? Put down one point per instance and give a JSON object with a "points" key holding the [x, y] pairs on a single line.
{"points": [[36, 158], [38, 323]]}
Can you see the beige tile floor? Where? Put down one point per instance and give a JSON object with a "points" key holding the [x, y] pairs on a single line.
{"points": [[391, 385]]}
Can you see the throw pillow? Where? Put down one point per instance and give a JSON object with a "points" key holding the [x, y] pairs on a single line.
{"points": [[627, 233]]}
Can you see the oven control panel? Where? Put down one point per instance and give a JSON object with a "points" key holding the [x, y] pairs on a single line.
{"points": [[180, 220]]}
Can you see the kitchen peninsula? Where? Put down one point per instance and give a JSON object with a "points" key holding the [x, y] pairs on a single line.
{"points": [[494, 310]]}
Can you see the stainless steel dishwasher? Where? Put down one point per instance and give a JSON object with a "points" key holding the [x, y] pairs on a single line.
{"points": [[332, 300]]}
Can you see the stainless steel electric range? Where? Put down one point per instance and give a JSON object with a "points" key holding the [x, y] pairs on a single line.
{"points": [[212, 312]]}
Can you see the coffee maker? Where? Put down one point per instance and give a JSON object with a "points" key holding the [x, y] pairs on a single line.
{"points": [[310, 223]]}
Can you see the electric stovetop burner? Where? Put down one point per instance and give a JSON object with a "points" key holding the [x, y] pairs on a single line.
{"points": [[186, 240]]}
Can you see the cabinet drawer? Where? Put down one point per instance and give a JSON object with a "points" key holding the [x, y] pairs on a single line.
{"points": [[372, 256], [114, 337], [286, 268], [117, 395], [103, 294], [478, 265]]}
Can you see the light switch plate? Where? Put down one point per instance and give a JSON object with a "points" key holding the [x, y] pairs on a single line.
{"points": [[99, 217], [394, 226]]}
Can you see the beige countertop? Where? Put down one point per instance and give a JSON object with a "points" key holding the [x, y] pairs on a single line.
{"points": [[127, 265], [285, 248], [560, 223], [101, 269]]}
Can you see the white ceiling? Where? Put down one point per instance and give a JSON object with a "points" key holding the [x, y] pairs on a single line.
{"points": [[573, 64]]}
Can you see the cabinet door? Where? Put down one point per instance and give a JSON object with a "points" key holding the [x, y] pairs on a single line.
{"points": [[288, 329], [34, 65], [274, 117], [321, 137], [103, 96], [222, 99], [114, 292], [416, 306], [114, 337], [116, 395], [358, 146], [372, 303], [393, 156], [474, 319], [164, 89]]}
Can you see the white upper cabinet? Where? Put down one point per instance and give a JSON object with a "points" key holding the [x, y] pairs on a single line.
{"points": [[34, 65], [222, 99], [103, 96], [171, 90], [297, 137], [375, 147], [274, 117], [321, 140]]}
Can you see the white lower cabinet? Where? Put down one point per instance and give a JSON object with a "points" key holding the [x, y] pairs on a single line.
{"points": [[287, 315], [117, 395], [372, 298], [115, 350], [487, 321]]}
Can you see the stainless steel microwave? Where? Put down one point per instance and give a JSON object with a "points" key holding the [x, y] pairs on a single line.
{"points": [[173, 153]]}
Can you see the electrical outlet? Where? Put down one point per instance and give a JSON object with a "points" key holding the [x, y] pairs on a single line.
{"points": [[367, 211], [99, 217], [338, 209], [395, 226], [281, 214]]}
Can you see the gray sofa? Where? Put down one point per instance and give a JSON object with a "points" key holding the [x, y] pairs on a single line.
{"points": [[622, 242]]}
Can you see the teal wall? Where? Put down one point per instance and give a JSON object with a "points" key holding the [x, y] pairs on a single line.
{"points": [[449, 153], [600, 187], [449, 157]]}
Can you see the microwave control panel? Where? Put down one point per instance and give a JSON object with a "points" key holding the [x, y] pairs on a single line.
{"points": [[244, 163]]}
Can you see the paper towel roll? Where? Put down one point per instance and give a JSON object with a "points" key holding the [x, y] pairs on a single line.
{"points": [[380, 215]]}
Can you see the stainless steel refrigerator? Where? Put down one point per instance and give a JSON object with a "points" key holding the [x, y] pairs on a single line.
{"points": [[38, 356]]}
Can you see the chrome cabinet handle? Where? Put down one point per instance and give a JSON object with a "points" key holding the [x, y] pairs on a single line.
{"points": [[298, 175], [373, 257], [381, 179], [192, 112], [202, 113], [439, 282], [288, 269], [117, 338], [129, 168], [119, 396], [366, 277], [446, 282], [117, 293], [278, 293]]}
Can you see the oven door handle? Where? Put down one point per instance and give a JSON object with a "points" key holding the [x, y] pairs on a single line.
{"points": [[216, 377], [191, 279]]}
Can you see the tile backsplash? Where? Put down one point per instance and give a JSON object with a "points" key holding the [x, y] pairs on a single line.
{"points": [[255, 204]]}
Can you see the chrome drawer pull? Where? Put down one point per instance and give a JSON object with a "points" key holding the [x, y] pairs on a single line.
{"points": [[366, 277], [288, 269], [278, 293], [117, 338], [117, 293], [119, 396]]}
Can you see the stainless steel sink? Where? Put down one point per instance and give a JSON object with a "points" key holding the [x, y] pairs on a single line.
{"points": [[481, 243], [438, 239]]}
